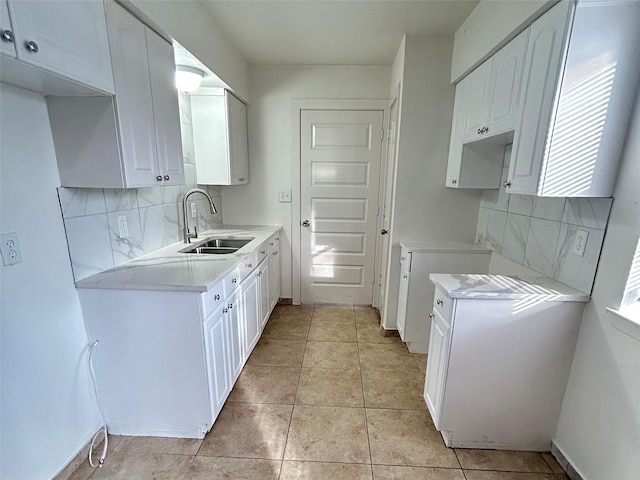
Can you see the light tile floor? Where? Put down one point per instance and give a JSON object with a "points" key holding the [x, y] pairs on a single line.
{"points": [[323, 396]]}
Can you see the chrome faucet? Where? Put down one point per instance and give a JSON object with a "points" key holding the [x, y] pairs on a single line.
{"points": [[185, 231]]}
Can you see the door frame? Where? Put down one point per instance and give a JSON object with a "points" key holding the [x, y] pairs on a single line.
{"points": [[322, 104]]}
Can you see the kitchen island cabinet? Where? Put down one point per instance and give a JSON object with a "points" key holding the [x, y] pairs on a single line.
{"points": [[499, 359]]}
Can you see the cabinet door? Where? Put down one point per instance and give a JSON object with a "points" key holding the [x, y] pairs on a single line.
{"points": [[274, 278], [7, 42], [436, 363], [166, 113], [238, 141], [263, 282], [134, 105], [65, 37], [505, 82], [542, 66], [209, 117], [250, 313], [217, 346], [475, 102], [403, 298], [454, 163], [235, 336]]}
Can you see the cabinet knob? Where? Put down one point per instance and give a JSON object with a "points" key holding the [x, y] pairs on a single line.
{"points": [[507, 183], [306, 223], [234, 280], [484, 130], [216, 297], [159, 178], [7, 36], [249, 265], [275, 253], [384, 231], [32, 46], [431, 315], [263, 252], [241, 179], [166, 177], [405, 276], [439, 302], [259, 274], [230, 306], [479, 131], [453, 181], [225, 310]]}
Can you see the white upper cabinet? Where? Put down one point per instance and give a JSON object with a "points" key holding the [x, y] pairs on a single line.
{"points": [[133, 138], [220, 138], [66, 38], [581, 69], [485, 106]]}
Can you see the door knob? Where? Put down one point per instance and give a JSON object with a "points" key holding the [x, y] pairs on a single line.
{"points": [[306, 223], [384, 231]]}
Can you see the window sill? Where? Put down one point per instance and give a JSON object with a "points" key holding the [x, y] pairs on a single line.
{"points": [[627, 322]]}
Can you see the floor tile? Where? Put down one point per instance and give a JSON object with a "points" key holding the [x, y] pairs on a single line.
{"points": [[502, 460], [79, 468], [300, 312], [396, 389], [321, 470], [368, 331], [262, 384], [421, 361], [332, 331], [386, 357], [285, 328], [385, 472], [331, 355], [552, 462], [207, 468], [336, 314], [493, 475], [143, 466], [367, 313], [173, 446], [248, 430], [407, 437], [328, 434], [330, 387], [285, 353]]}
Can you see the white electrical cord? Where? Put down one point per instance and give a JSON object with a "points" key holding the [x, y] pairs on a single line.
{"points": [[103, 430]]}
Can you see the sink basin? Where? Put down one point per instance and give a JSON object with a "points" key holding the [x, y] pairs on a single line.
{"points": [[216, 246]]}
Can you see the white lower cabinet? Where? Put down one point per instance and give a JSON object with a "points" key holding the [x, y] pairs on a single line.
{"points": [[263, 289], [218, 345], [274, 270], [236, 335], [497, 369], [250, 312]]}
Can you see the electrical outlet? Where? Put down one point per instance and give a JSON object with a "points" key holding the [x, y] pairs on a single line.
{"points": [[285, 196], [123, 226], [10, 249], [580, 243], [194, 210]]}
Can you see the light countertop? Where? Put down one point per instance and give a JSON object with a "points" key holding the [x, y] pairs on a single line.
{"points": [[167, 269], [505, 287], [443, 246]]}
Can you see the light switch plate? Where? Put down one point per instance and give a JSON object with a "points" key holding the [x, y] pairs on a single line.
{"points": [[285, 196], [123, 226], [580, 243], [10, 249]]}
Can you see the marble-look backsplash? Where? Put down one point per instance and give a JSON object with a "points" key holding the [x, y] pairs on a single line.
{"points": [[539, 233], [154, 217]]}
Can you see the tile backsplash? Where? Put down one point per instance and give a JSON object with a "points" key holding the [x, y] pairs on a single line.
{"points": [[539, 233], [153, 214]]}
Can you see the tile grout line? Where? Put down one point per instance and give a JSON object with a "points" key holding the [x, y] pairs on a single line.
{"points": [[364, 400], [293, 407]]}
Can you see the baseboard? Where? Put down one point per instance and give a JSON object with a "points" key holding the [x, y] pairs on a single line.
{"points": [[565, 462], [389, 333], [285, 301]]}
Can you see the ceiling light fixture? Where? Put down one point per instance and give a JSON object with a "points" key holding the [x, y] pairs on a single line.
{"points": [[188, 79]]}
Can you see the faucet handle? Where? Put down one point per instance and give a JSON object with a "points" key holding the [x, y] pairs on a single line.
{"points": [[195, 231]]}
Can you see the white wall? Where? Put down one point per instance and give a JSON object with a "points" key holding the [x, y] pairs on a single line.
{"points": [[273, 87], [490, 26], [48, 412], [599, 426], [423, 208], [190, 24]]}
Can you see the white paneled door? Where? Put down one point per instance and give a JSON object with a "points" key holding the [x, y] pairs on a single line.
{"points": [[339, 172]]}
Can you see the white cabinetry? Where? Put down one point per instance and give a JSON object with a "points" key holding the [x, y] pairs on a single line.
{"points": [[220, 137], [64, 38], [416, 291], [485, 106], [218, 343], [132, 139], [252, 320], [580, 70], [497, 369], [263, 291], [273, 251]]}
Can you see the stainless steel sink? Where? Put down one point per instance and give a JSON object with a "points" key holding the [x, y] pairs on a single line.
{"points": [[216, 246]]}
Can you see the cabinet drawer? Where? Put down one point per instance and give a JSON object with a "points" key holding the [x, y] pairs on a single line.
{"points": [[231, 281], [405, 259], [442, 304], [247, 265], [261, 252], [273, 244], [213, 298]]}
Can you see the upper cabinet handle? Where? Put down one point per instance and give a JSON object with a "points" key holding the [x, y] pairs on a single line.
{"points": [[7, 36], [507, 183], [31, 46]]}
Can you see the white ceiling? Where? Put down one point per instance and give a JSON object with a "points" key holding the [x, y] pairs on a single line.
{"points": [[328, 32]]}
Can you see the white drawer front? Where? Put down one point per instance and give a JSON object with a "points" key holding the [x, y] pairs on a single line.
{"points": [[405, 259], [232, 281], [442, 304], [213, 298]]}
